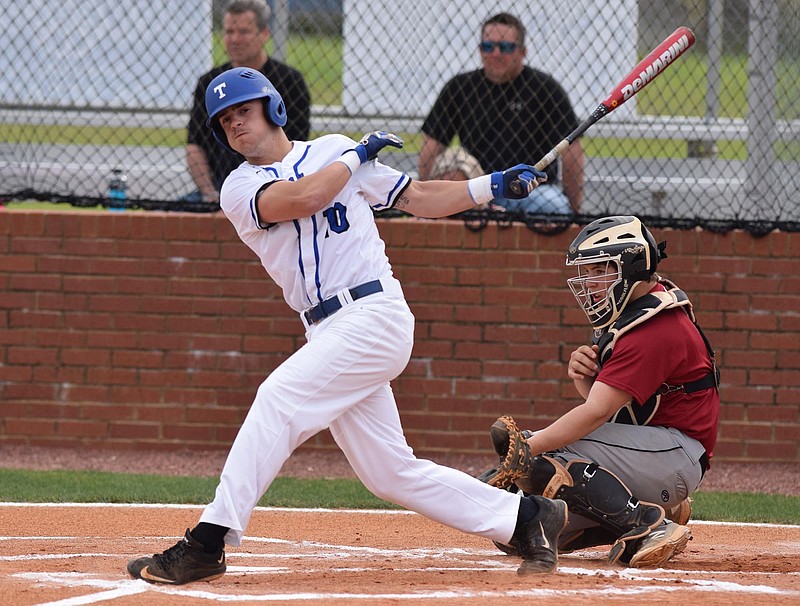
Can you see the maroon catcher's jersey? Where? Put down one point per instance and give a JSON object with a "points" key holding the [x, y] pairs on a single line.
{"points": [[667, 349]]}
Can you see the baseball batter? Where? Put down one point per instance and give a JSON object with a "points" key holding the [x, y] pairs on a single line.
{"points": [[642, 439], [305, 208]]}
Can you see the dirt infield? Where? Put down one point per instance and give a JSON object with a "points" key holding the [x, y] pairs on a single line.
{"points": [[71, 555]]}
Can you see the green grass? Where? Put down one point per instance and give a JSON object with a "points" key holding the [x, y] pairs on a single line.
{"points": [[746, 507], [92, 135], [104, 487]]}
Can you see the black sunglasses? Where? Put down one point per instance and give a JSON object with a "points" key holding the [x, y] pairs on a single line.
{"points": [[506, 48]]}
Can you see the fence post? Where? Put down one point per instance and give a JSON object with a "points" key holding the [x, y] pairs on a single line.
{"points": [[280, 29], [707, 148], [761, 131]]}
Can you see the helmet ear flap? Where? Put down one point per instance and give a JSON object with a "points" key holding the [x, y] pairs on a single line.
{"points": [[639, 268], [275, 109], [219, 135]]}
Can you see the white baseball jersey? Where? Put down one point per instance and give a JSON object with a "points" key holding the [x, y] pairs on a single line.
{"points": [[339, 247]]}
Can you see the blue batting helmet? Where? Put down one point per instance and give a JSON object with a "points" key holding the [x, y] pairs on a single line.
{"points": [[236, 86]]}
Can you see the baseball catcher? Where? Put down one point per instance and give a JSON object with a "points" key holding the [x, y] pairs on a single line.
{"points": [[627, 459]]}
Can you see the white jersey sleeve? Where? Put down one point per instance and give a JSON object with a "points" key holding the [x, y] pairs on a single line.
{"points": [[380, 184], [338, 247]]}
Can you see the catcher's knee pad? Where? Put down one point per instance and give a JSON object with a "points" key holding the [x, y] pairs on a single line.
{"points": [[546, 477], [594, 493]]}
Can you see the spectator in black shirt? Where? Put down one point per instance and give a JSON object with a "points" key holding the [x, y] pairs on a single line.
{"points": [[508, 112], [245, 33]]}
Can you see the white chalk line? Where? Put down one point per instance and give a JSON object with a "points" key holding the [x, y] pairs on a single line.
{"points": [[322, 510], [111, 590]]}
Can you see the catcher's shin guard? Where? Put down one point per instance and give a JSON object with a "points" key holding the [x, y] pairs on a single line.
{"points": [[597, 494]]}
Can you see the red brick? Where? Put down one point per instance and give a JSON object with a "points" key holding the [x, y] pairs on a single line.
{"points": [[771, 451], [730, 394], [787, 396], [132, 431], [466, 350], [750, 359], [107, 412], [82, 428], [15, 374], [787, 433], [783, 378], [508, 369], [30, 427], [214, 415], [745, 431], [195, 433], [729, 451], [750, 321], [88, 393], [731, 412], [777, 268], [467, 388]]}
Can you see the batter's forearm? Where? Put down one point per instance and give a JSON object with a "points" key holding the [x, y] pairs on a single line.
{"points": [[435, 199], [289, 200]]}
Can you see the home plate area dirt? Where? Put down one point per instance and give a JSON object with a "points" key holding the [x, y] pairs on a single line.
{"points": [[76, 554]]}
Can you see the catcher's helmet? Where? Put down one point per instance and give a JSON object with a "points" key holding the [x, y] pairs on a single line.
{"points": [[236, 86], [629, 255]]}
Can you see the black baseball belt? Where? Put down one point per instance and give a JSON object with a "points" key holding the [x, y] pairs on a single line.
{"points": [[328, 307]]}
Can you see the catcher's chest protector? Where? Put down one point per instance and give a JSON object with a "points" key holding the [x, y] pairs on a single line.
{"points": [[635, 313]]}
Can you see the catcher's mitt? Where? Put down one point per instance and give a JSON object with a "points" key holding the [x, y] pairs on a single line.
{"points": [[511, 446]]}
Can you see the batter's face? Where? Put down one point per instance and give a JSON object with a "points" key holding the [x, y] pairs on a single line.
{"points": [[246, 128], [243, 41], [501, 67]]}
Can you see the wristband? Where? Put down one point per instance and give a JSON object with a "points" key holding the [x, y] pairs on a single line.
{"points": [[480, 189], [350, 159]]}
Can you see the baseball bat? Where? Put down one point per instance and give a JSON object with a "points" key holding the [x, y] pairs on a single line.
{"points": [[647, 70]]}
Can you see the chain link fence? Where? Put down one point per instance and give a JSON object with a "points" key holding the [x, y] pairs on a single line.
{"points": [[98, 90]]}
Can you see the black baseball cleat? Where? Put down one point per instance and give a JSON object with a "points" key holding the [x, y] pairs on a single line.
{"points": [[537, 541], [182, 563]]}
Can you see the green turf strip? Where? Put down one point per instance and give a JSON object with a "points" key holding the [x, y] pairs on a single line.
{"points": [[103, 487]]}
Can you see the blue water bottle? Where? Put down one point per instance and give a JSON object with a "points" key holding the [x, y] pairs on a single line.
{"points": [[117, 190]]}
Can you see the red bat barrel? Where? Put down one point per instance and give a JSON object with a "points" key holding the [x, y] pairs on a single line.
{"points": [[648, 68]]}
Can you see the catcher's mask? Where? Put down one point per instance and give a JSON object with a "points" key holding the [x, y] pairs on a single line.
{"points": [[236, 86], [612, 255]]}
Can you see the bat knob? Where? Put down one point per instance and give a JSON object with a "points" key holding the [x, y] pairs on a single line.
{"points": [[516, 187]]}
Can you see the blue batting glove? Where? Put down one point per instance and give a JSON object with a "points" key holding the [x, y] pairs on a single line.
{"points": [[516, 182], [369, 146]]}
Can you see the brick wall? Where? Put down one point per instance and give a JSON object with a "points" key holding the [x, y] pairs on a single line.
{"points": [[153, 330]]}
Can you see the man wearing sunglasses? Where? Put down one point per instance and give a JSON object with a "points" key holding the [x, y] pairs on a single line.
{"points": [[504, 111]]}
